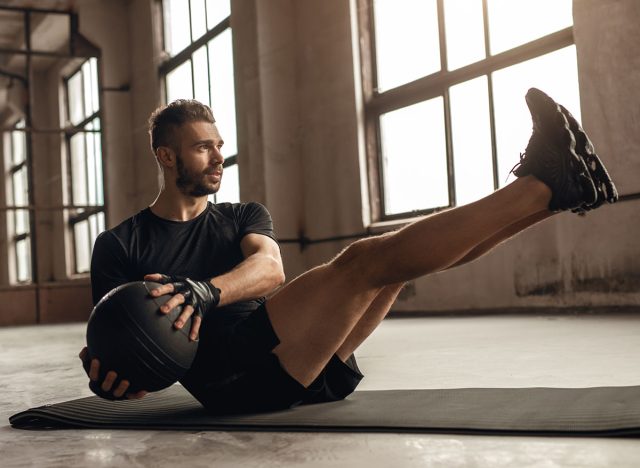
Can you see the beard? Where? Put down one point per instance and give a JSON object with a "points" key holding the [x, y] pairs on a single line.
{"points": [[191, 183]]}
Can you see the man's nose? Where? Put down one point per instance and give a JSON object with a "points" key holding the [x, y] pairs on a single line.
{"points": [[217, 156]]}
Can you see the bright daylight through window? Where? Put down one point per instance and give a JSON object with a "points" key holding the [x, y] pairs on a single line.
{"points": [[447, 97], [85, 161], [18, 227], [197, 36]]}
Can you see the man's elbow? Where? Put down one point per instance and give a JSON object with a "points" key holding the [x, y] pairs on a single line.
{"points": [[277, 273]]}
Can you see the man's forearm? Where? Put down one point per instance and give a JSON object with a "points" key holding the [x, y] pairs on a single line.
{"points": [[257, 276]]}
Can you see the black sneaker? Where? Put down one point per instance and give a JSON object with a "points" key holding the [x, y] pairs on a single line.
{"points": [[605, 187], [550, 156]]}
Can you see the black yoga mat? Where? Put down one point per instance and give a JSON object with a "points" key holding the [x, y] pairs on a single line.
{"points": [[598, 411]]}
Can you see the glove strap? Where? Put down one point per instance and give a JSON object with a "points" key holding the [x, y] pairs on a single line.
{"points": [[215, 292]]}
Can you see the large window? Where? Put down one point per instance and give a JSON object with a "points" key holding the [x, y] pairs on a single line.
{"points": [[18, 220], [444, 84], [197, 36], [84, 146]]}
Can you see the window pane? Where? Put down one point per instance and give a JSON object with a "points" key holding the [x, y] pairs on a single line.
{"points": [[471, 134], [414, 157], [78, 170], [514, 23], [179, 83], [21, 222], [556, 74], [198, 19], [81, 241], [201, 77], [217, 10], [100, 225], [223, 101], [177, 33], [407, 41], [91, 169], [88, 89], [74, 90], [464, 31], [97, 145], [93, 228], [23, 260], [19, 146], [230, 186], [95, 100], [20, 187]]}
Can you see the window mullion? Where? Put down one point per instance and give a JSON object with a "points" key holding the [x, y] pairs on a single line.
{"points": [[492, 120], [446, 106]]}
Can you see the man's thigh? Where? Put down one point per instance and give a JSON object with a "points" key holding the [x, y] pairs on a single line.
{"points": [[313, 315]]}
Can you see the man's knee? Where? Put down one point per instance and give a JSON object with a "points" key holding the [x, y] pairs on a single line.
{"points": [[360, 255]]}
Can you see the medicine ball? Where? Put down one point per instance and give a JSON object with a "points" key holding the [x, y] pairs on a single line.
{"points": [[128, 334]]}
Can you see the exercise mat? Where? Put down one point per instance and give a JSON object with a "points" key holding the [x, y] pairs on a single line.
{"points": [[597, 411]]}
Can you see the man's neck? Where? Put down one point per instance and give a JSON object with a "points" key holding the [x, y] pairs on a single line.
{"points": [[177, 206]]}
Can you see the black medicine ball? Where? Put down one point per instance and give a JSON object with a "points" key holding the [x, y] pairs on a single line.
{"points": [[128, 334]]}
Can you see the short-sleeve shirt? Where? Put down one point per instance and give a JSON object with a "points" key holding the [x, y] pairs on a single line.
{"points": [[201, 248]]}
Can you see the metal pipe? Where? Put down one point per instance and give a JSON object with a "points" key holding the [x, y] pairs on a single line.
{"points": [[40, 53], [50, 208]]}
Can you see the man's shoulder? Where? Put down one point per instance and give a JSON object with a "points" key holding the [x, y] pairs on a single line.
{"points": [[126, 228], [237, 209]]}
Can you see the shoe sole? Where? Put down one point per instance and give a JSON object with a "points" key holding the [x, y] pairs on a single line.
{"points": [[549, 119], [605, 187]]}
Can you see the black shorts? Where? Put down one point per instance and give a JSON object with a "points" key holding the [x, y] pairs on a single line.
{"points": [[235, 371]]}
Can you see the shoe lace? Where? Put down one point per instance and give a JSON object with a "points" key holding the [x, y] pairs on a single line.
{"points": [[515, 166]]}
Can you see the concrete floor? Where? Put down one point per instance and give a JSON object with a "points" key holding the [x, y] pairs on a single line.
{"points": [[38, 365]]}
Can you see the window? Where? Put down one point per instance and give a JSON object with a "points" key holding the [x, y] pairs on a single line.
{"points": [[85, 189], [197, 36], [18, 220], [444, 84]]}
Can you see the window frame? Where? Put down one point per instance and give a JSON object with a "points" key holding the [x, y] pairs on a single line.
{"points": [[186, 54], [429, 87], [79, 213]]}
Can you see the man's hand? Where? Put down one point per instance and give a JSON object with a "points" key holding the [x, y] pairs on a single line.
{"points": [[198, 296], [92, 368]]}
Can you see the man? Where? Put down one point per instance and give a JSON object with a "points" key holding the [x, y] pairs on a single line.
{"points": [[297, 346]]}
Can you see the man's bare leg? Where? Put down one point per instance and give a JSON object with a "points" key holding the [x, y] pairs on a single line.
{"points": [[382, 303], [375, 313], [314, 314], [503, 235]]}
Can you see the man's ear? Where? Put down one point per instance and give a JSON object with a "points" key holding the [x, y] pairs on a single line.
{"points": [[166, 156]]}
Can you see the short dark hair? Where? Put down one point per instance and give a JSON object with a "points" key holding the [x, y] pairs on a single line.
{"points": [[165, 120]]}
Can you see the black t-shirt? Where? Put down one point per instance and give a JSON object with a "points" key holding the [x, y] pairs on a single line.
{"points": [[201, 248]]}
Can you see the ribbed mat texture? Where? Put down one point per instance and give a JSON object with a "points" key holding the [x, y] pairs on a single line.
{"points": [[598, 411]]}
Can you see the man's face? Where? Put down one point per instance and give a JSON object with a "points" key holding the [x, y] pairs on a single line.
{"points": [[199, 161]]}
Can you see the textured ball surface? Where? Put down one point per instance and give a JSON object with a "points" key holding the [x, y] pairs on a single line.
{"points": [[128, 334]]}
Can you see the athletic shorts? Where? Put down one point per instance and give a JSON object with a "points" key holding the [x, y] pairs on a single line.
{"points": [[235, 371]]}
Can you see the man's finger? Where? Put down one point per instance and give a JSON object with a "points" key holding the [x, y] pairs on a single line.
{"points": [[108, 381], [162, 290], [195, 327], [183, 317], [83, 354], [94, 370], [137, 395], [122, 387], [171, 303]]}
